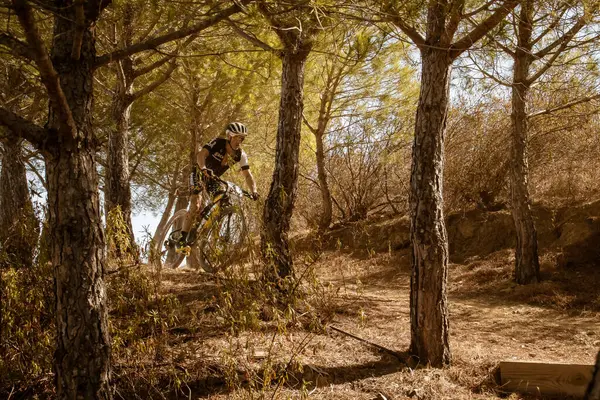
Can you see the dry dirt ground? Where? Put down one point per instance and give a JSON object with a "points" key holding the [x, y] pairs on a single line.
{"points": [[366, 295]]}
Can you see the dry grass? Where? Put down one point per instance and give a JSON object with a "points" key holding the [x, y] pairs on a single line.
{"points": [[367, 295]]}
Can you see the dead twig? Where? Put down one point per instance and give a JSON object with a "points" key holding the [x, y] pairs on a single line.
{"points": [[401, 357]]}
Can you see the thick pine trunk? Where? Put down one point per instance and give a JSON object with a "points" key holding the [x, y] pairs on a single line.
{"points": [[77, 244], [18, 225], [280, 201], [428, 302], [327, 204], [527, 267]]}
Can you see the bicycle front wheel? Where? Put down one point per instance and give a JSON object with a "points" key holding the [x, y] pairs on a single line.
{"points": [[166, 253], [222, 240]]}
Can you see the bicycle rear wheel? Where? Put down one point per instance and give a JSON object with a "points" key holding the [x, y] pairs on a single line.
{"points": [[166, 254], [222, 241]]}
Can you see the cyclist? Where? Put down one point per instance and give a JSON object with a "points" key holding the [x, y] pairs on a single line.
{"points": [[215, 158]]}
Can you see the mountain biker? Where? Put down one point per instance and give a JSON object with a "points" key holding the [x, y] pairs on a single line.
{"points": [[215, 158]]}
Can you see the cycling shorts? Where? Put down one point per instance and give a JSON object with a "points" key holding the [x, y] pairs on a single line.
{"points": [[199, 181]]}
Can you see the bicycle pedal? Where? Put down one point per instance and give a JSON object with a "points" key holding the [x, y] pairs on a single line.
{"points": [[186, 250]]}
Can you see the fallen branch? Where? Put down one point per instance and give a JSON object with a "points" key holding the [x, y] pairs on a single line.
{"points": [[123, 268], [400, 356]]}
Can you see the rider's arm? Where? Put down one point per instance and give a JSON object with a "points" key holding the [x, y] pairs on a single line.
{"points": [[249, 180], [201, 157], [245, 167]]}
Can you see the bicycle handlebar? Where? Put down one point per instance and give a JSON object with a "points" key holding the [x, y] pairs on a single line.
{"points": [[244, 192]]}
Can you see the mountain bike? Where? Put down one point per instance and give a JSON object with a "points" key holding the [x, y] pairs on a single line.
{"points": [[216, 237]]}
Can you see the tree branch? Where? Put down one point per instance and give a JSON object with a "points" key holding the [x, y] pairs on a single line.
{"points": [[484, 7], [252, 39], [308, 125], [153, 66], [50, 78], [567, 37], [151, 26], [408, 30], [17, 48], [491, 37], [151, 87], [22, 127], [308, 178], [169, 37], [550, 26], [481, 29], [563, 45], [489, 75], [456, 12], [95, 7], [562, 107]]}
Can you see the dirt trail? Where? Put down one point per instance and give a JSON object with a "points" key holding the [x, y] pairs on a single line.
{"points": [[480, 327], [372, 302]]}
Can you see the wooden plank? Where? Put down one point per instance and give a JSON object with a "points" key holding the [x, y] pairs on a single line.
{"points": [[545, 378]]}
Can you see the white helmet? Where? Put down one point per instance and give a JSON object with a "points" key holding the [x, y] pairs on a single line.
{"points": [[236, 129]]}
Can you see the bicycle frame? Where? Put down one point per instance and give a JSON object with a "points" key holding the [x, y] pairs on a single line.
{"points": [[213, 209]]}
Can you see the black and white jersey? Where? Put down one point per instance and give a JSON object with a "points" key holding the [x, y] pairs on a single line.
{"points": [[219, 161]]}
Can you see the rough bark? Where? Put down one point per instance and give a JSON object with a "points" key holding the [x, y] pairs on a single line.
{"points": [[428, 301], [18, 224], [327, 204], [282, 194], [330, 91], [77, 244], [593, 390], [527, 267], [117, 191]]}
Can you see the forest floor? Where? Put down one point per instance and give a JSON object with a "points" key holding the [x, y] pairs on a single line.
{"points": [[367, 295]]}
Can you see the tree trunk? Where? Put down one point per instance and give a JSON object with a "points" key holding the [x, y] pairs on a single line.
{"points": [[18, 224], [165, 215], [118, 189], [181, 204], [280, 201], [196, 111], [327, 211], [169, 207], [428, 302], [77, 244], [593, 390], [527, 267]]}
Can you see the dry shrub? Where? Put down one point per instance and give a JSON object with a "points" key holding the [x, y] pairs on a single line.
{"points": [[477, 151], [565, 157], [26, 329], [140, 317], [367, 165]]}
